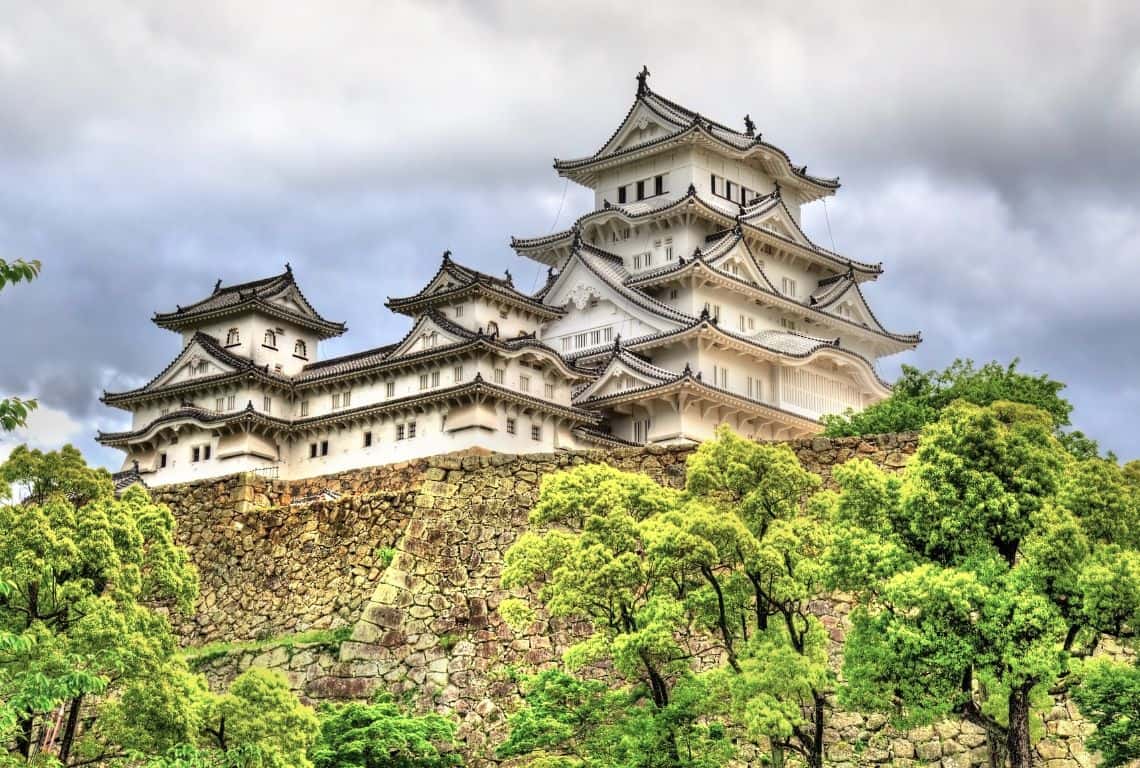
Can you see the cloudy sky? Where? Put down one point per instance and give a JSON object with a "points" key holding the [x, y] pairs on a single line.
{"points": [[988, 154]]}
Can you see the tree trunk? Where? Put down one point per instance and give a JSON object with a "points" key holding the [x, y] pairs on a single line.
{"points": [[1020, 749], [817, 735], [69, 730]]}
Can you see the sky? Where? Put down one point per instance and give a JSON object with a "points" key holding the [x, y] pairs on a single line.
{"points": [[988, 154]]}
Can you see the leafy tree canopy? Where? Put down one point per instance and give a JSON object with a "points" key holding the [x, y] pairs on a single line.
{"points": [[383, 735], [919, 397], [990, 561], [14, 411]]}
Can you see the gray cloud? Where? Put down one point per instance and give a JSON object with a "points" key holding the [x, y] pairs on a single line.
{"points": [[987, 153]]}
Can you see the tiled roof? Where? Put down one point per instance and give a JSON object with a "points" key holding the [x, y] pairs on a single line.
{"points": [[242, 366], [466, 281], [683, 122], [724, 211], [256, 294]]}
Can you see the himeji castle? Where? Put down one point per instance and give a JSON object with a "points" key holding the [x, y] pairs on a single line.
{"points": [[689, 297]]}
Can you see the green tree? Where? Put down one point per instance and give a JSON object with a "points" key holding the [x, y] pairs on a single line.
{"points": [[658, 573], [14, 411], [1109, 698], [980, 570], [919, 397], [383, 735], [90, 578]]}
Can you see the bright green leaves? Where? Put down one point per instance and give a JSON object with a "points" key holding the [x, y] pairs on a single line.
{"points": [[920, 397], [85, 571], [979, 569], [734, 558], [1109, 696], [383, 735]]}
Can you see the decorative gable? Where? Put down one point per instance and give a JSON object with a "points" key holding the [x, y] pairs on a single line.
{"points": [[198, 359], [429, 332]]}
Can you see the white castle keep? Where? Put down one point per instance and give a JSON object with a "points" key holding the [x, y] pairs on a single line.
{"points": [[688, 298]]}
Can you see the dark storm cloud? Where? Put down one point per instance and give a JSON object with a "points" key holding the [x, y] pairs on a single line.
{"points": [[987, 153]]}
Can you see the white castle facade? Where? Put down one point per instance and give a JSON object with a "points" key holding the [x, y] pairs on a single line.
{"points": [[688, 298]]}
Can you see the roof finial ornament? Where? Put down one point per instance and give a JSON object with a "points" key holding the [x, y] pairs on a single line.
{"points": [[218, 285], [688, 370], [642, 77], [617, 343], [692, 188], [288, 268], [697, 253], [510, 280], [749, 126], [576, 243], [776, 191], [447, 255], [478, 377], [705, 313]]}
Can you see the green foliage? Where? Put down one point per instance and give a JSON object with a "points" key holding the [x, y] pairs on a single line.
{"points": [[919, 397], [978, 569], [261, 713], [86, 572], [1109, 697], [657, 572], [13, 410], [383, 735], [385, 556]]}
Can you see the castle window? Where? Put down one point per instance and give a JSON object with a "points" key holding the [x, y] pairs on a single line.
{"points": [[524, 383], [335, 400], [607, 334], [304, 408], [267, 404], [621, 195], [493, 329], [565, 343], [435, 379], [535, 432], [367, 439], [324, 447], [231, 400], [399, 431], [162, 460], [233, 336], [500, 375], [299, 348], [548, 390], [312, 450], [641, 190], [411, 430], [754, 388], [270, 339], [580, 340], [346, 401], [423, 381], [457, 374], [203, 368], [729, 188], [668, 249], [720, 376], [164, 411], [787, 324], [672, 293], [459, 311], [752, 323], [789, 287], [640, 430], [743, 321], [390, 389], [511, 427], [195, 454], [658, 185]]}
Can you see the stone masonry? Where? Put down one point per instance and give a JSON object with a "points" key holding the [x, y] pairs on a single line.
{"points": [[407, 557]]}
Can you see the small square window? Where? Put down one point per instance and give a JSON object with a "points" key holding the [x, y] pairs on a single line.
{"points": [[658, 185], [390, 389], [220, 404], [304, 408], [672, 293], [435, 378], [411, 429], [346, 401], [459, 311], [312, 450], [367, 439], [399, 431], [324, 447], [457, 374], [424, 379], [500, 375], [524, 383], [195, 454], [335, 400], [206, 451], [267, 404], [535, 432], [548, 390], [511, 426], [162, 460], [641, 190], [230, 401], [621, 195]]}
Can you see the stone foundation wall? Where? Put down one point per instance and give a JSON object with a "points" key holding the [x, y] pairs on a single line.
{"points": [[405, 560]]}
